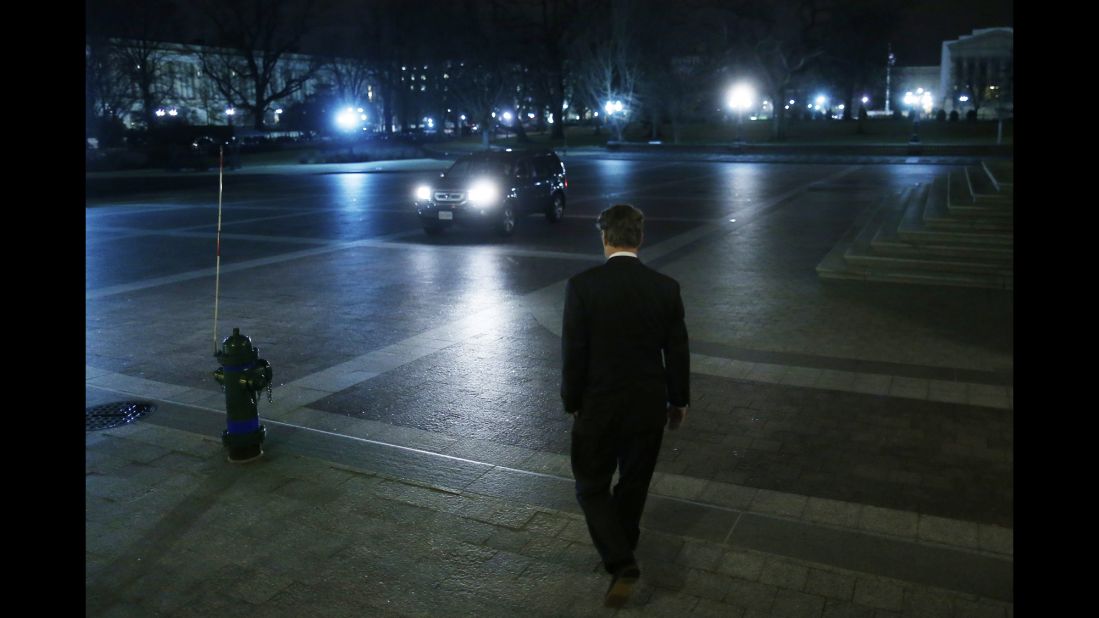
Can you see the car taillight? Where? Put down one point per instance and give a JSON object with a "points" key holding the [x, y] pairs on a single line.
{"points": [[566, 183]]}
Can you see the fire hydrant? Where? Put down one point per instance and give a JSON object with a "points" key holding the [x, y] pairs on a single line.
{"points": [[243, 375]]}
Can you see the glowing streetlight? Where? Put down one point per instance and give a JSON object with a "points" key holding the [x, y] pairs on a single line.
{"points": [[911, 100], [346, 119], [963, 98], [615, 113], [865, 100], [740, 98], [173, 113], [159, 113], [507, 116]]}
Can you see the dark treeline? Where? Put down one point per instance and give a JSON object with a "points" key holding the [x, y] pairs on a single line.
{"points": [[668, 63]]}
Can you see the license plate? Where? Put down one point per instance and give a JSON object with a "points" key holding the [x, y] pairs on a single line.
{"points": [[446, 215]]}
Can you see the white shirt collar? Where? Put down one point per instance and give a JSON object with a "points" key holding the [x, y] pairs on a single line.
{"points": [[618, 253]]}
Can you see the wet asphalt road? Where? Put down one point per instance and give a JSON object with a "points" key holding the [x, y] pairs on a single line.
{"points": [[322, 268]]}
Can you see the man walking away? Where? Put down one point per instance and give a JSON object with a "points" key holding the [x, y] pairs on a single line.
{"points": [[625, 375]]}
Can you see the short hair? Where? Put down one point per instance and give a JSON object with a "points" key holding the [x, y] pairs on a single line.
{"points": [[623, 224]]}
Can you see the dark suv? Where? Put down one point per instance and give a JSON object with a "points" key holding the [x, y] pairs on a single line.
{"points": [[493, 189]]}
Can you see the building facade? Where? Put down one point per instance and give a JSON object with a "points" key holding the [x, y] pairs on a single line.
{"points": [[184, 91], [978, 72]]}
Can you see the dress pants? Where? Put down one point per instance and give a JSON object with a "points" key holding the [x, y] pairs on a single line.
{"points": [[614, 519]]}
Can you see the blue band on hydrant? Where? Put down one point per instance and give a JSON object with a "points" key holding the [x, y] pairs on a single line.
{"points": [[240, 427], [239, 368]]}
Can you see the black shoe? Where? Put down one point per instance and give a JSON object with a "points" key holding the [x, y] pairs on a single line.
{"points": [[622, 586]]}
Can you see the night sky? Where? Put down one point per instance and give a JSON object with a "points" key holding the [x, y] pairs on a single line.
{"points": [[925, 25], [930, 22]]}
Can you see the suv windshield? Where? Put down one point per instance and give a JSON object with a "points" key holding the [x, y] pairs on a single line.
{"points": [[478, 168]]}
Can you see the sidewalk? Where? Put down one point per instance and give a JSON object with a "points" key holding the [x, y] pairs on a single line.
{"points": [[339, 518]]}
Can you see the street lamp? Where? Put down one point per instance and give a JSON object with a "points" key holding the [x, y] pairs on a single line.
{"points": [[615, 111], [740, 99], [911, 100], [229, 113]]}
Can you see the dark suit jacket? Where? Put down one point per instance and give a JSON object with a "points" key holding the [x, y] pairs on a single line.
{"points": [[624, 344]]}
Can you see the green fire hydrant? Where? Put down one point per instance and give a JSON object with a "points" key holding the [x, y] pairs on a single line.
{"points": [[243, 374]]}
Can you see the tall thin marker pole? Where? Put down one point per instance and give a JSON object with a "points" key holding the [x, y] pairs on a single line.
{"points": [[217, 268]]}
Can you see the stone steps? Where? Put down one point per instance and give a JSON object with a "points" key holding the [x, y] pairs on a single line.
{"points": [[914, 229], [1002, 174], [914, 237], [886, 242], [939, 211], [974, 194]]}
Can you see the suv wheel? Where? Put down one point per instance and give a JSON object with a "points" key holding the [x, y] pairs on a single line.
{"points": [[556, 210], [507, 222]]}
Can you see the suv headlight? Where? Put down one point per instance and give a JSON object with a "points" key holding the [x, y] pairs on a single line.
{"points": [[423, 192], [484, 192]]}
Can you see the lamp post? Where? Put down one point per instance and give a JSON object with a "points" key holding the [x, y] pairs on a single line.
{"points": [[910, 100], [615, 110], [740, 99]]}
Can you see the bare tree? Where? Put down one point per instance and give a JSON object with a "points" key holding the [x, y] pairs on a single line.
{"points": [[677, 64], [607, 60], [132, 36], [482, 72], [350, 77], [106, 92], [253, 38], [555, 23], [382, 47], [774, 41]]}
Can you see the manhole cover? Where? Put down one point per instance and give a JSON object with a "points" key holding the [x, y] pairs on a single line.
{"points": [[115, 414]]}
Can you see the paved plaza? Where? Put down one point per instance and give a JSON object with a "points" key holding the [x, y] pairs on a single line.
{"points": [[848, 451]]}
